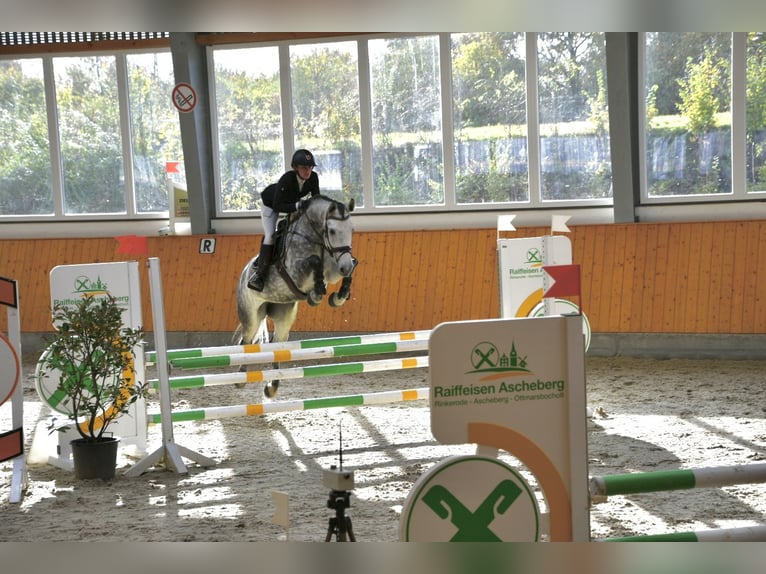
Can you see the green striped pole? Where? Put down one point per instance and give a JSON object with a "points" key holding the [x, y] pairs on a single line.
{"points": [[235, 359], [741, 534], [287, 406], [601, 487], [216, 379], [151, 356]]}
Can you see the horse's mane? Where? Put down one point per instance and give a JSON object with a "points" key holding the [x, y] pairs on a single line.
{"points": [[343, 211]]}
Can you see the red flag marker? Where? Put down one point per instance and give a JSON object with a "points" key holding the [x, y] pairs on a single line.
{"points": [[567, 280], [8, 292], [132, 244], [11, 444]]}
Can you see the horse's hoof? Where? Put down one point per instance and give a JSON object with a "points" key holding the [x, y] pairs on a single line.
{"points": [[270, 390], [314, 299], [336, 300]]}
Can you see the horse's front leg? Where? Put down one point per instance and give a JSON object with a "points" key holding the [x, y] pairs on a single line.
{"points": [[319, 290], [341, 295]]}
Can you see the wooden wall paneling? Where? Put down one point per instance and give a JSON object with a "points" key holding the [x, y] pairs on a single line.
{"points": [[189, 295], [636, 286], [45, 256], [611, 284], [626, 299], [681, 275], [647, 286], [377, 297], [470, 280], [614, 275], [726, 294], [395, 288], [421, 253], [750, 288], [369, 289], [16, 258], [434, 280], [586, 260], [599, 310], [659, 309], [703, 302], [715, 306], [449, 288], [481, 257], [740, 235], [666, 277], [419, 287], [489, 295], [409, 262], [691, 310], [759, 302]]}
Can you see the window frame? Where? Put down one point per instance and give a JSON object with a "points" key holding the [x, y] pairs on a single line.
{"points": [[450, 204], [739, 192], [54, 137]]}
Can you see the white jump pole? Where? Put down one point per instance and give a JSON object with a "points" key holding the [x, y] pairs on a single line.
{"points": [[19, 477], [169, 451]]}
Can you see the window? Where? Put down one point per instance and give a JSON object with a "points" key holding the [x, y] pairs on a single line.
{"points": [[439, 120], [156, 135], [87, 135], [249, 124], [324, 81], [755, 136], [25, 160], [573, 116], [489, 99], [406, 121], [688, 114]]}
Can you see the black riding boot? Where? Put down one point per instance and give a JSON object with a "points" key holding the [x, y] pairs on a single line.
{"points": [[258, 278]]}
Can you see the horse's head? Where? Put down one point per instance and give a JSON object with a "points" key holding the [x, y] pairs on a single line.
{"points": [[338, 232], [331, 220]]}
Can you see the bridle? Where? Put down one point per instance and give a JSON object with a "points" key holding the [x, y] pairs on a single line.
{"points": [[322, 235]]}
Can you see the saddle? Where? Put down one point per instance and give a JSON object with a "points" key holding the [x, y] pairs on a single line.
{"points": [[279, 240]]}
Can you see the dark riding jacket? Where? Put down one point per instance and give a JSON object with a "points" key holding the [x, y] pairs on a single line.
{"points": [[283, 195]]}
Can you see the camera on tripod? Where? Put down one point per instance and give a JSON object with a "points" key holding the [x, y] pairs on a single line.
{"points": [[335, 479], [340, 482]]}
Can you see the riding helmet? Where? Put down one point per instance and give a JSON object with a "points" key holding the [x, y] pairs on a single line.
{"points": [[303, 157]]}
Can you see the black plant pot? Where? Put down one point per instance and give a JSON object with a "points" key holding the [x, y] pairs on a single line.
{"points": [[95, 459]]}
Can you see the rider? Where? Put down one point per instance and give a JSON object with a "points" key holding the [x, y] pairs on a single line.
{"points": [[285, 196]]}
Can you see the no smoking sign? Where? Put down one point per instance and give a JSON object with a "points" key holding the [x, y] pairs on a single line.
{"points": [[184, 97]]}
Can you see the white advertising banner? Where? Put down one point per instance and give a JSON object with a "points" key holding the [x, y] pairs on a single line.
{"points": [[70, 283], [522, 279], [519, 385]]}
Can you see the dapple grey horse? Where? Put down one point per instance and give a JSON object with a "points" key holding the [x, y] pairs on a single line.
{"points": [[313, 250]]}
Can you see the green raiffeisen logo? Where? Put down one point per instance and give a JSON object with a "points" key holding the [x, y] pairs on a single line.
{"points": [[489, 363], [85, 286], [533, 265]]}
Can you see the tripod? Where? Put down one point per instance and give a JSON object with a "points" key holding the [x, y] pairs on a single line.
{"points": [[340, 524]]}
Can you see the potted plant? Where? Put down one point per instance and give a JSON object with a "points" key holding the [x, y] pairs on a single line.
{"points": [[91, 356]]}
